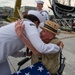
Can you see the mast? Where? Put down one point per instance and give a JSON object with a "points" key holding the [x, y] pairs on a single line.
{"points": [[69, 1]]}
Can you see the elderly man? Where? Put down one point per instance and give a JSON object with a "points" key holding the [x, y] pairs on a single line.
{"points": [[49, 59]]}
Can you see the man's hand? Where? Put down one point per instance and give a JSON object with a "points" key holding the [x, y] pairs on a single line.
{"points": [[61, 44], [19, 28]]}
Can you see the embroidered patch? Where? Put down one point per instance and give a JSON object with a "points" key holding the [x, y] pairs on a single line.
{"points": [[32, 24]]}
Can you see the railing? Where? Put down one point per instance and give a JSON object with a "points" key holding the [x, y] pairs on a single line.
{"points": [[66, 23]]}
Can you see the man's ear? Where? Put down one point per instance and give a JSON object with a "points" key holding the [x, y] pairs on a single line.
{"points": [[51, 36]]}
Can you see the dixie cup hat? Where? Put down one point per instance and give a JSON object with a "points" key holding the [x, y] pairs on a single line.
{"points": [[37, 14], [39, 1]]}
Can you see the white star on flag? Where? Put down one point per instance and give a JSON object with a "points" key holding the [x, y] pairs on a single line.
{"points": [[35, 69], [48, 73], [27, 73], [40, 68], [18, 72], [31, 66]]}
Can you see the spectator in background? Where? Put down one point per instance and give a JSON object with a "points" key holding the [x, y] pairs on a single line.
{"points": [[40, 4], [44, 13]]}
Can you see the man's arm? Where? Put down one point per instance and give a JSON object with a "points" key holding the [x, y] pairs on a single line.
{"points": [[35, 39], [20, 31]]}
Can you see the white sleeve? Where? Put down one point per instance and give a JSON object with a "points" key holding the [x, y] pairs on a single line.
{"points": [[33, 36], [41, 46], [47, 16]]}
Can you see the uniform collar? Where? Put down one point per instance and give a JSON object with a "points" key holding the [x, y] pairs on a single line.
{"points": [[27, 19]]}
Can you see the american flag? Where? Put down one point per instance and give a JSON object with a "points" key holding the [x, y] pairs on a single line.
{"points": [[35, 69]]}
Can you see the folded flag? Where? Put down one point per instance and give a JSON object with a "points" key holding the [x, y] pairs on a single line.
{"points": [[35, 69]]}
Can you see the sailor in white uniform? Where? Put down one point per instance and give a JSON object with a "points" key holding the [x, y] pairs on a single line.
{"points": [[40, 4], [44, 13], [10, 43]]}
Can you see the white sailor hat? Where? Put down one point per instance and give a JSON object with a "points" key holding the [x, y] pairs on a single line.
{"points": [[37, 14], [39, 1]]}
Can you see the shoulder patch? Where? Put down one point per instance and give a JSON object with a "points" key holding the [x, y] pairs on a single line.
{"points": [[32, 24]]}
